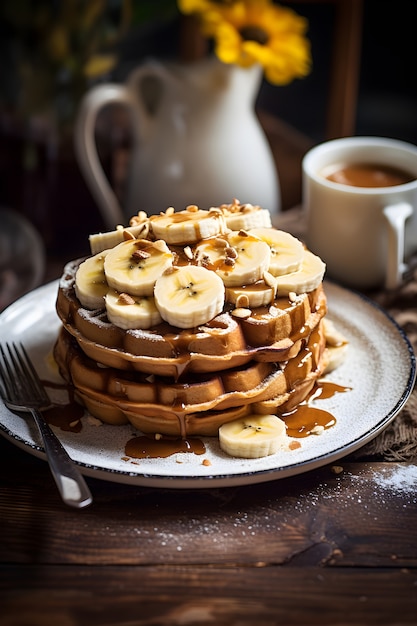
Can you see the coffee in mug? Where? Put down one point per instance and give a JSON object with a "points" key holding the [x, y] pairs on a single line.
{"points": [[360, 203], [366, 175]]}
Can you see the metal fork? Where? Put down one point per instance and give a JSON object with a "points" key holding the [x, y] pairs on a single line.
{"points": [[22, 390]]}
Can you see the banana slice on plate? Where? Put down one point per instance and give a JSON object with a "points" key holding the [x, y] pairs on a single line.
{"points": [[130, 312], [336, 346], [287, 252], [187, 227], [307, 278], [238, 258], [189, 296], [252, 437], [90, 282], [133, 266]]}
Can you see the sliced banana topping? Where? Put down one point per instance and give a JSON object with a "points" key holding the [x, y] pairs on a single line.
{"points": [[287, 252], [307, 278], [245, 216], [104, 241], [133, 266], [189, 226], [90, 282], [252, 437], [256, 295], [189, 296], [238, 258], [247, 268], [131, 312]]}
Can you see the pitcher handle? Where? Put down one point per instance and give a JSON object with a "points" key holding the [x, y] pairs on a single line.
{"points": [[86, 149], [396, 216]]}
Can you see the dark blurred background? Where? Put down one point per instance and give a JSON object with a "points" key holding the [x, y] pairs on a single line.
{"points": [[387, 94], [40, 94]]}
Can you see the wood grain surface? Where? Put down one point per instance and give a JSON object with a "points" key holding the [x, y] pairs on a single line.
{"points": [[336, 545]]}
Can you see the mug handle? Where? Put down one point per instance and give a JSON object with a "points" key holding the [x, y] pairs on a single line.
{"points": [[396, 216], [86, 149]]}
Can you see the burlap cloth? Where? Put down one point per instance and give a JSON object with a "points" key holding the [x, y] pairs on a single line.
{"points": [[398, 442]]}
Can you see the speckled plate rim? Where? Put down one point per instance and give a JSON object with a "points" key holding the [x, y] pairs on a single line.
{"points": [[372, 333]]}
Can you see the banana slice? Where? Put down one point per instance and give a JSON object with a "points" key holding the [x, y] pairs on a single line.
{"points": [[189, 296], [305, 279], [245, 216], [130, 312], [251, 296], [336, 346], [252, 437], [334, 357], [90, 282], [133, 266], [286, 251], [104, 241], [238, 258], [189, 226]]}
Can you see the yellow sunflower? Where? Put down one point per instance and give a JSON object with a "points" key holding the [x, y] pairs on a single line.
{"points": [[246, 32]]}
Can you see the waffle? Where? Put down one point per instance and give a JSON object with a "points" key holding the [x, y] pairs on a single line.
{"points": [[199, 403], [224, 342], [257, 344]]}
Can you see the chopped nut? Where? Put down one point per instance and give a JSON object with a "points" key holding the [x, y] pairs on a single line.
{"points": [[139, 255], [214, 211], [139, 218], [229, 261], [243, 233], [242, 301], [125, 298], [206, 462], [241, 313], [231, 253], [170, 210], [292, 296], [188, 253], [204, 261], [127, 235], [220, 242], [193, 208], [336, 469], [159, 245], [158, 436], [317, 429], [171, 270]]}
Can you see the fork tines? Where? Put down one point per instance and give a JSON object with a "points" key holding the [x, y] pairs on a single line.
{"points": [[21, 383]]}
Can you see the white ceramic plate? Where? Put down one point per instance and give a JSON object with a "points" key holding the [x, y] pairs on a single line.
{"points": [[380, 368]]}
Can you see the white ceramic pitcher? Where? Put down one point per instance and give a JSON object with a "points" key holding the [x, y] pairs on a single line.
{"points": [[196, 140]]}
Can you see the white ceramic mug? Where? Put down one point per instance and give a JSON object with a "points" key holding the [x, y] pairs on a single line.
{"points": [[364, 234]]}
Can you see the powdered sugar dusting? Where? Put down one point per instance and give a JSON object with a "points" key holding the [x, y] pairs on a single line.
{"points": [[398, 478]]}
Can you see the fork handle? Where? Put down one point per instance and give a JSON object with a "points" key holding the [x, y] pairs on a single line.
{"points": [[70, 482]]}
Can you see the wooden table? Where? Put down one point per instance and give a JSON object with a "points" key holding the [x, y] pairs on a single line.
{"points": [[334, 546]]}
